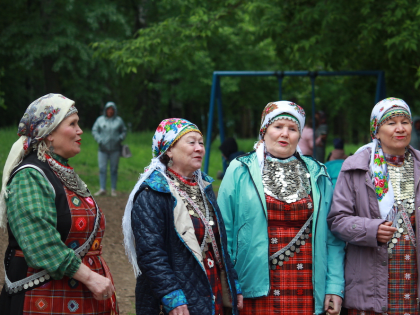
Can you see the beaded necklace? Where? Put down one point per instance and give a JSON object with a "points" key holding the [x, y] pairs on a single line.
{"points": [[68, 177], [186, 180], [190, 197], [394, 160], [402, 179], [286, 180]]}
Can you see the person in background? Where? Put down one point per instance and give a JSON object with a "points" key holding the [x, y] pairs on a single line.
{"points": [[338, 152], [109, 131], [306, 142], [274, 203], [415, 134], [335, 160], [321, 132], [375, 210], [229, 149]]}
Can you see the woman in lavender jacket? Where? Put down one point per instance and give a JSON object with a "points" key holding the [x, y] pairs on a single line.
{"points": [[374, 210]]}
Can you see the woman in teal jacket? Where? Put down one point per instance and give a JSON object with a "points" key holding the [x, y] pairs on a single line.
{"points": [[275, 202]]}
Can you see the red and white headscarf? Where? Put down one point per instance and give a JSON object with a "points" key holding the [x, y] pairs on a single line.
{"points": [[272, 112]]}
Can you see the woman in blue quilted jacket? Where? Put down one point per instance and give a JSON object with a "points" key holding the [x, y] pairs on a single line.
{"points": [[174, 233]]}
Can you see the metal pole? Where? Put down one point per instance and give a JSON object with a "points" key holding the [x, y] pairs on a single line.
{"points": [[220, 115], [210, 123], [378, 88], [280, 77], [383, 85]]}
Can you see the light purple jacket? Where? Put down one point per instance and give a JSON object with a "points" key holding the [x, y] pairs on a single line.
{"points": [[355, 217]]}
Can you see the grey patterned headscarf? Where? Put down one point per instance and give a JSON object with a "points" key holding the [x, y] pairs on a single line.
{"points": [[40, 119]]}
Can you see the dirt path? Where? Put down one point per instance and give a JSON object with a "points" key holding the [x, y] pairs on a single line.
{"points": [[113, 252]]}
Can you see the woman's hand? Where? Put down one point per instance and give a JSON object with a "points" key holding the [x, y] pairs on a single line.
{"points": [[385, 232], [180, 310], [240, 299], [101, 287], [336, 304]]}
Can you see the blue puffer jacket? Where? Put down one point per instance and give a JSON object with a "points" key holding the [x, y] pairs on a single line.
{"points": [[172, 271]]}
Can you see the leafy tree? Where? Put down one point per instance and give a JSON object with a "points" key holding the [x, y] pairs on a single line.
{"points": [[185, 41], [45, 48]]}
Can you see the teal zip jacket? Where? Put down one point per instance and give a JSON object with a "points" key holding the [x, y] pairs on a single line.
{"points": [[242, 202]]}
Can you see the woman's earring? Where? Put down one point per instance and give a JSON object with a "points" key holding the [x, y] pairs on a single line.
{"points": [[170, 163], [51, 148]]}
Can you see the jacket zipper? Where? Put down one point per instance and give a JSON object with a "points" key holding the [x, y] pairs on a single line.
{"points": [[262, 206], [313, 248], [313, 237]]}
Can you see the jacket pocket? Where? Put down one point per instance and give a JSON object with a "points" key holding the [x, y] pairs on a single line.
{"points": [[239, 243], [352, 265]]}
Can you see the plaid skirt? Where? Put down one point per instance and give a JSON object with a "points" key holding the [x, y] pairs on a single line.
{"points": [[67, 295], [402, 279], [291, 290]]}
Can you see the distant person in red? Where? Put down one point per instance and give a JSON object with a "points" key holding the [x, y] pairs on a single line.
{"points": [[306, 142]]}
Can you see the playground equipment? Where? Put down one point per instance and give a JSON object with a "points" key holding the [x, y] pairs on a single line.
{"points": [[216, 94]]}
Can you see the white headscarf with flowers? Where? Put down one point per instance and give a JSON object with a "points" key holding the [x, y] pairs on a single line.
{"points": [[167, 133], [40, 119], [377, 165], [269, 115]]}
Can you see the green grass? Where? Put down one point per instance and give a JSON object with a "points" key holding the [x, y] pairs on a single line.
{"points": [[140, 143], [86, 163]]}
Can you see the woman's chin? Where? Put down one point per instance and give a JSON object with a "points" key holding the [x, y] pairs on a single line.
{"points": [[282, 153]]}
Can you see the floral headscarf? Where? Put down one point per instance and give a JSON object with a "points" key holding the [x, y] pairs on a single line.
{"points": [[382, 111], [39, 120], [167, 134], [271, 113]]}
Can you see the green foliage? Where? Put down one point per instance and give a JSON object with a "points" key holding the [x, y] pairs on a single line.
{"points": [[45, 48], [155, 59], [2, 104], [185, 41]]}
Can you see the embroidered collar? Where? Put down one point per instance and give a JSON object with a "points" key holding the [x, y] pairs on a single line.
{"points": [[60, 159], [272, 158], [185, 180]]}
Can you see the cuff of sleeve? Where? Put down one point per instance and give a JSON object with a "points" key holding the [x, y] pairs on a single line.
{"points": [[238, 287], [372, 231], [335, 289], [73, 266], [173, 299]]}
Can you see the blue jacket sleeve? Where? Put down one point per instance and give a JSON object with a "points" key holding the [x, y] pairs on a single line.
{"points": [[173, 300], [123, 130], [96, 130]]}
